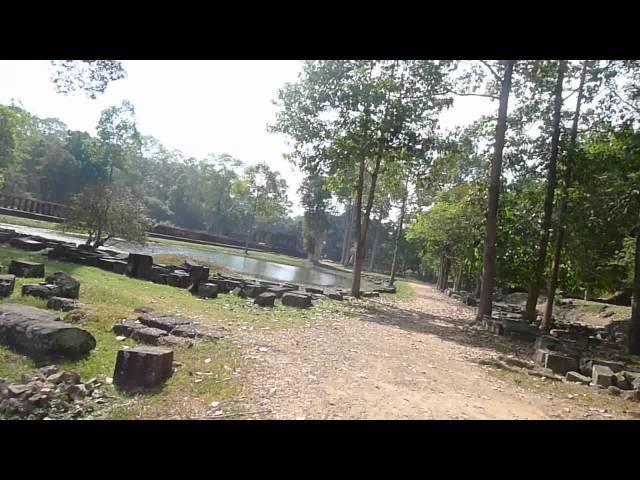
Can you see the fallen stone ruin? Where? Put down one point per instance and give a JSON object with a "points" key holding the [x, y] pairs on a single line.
{"points": [[152, 329], [572, 352], [41, 334], [196, 278], [142, 369], [51, 394]]}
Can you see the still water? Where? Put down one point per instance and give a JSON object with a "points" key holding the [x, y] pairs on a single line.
{"points": [[244, 265]]}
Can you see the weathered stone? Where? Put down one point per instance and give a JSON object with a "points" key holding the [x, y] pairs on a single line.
{"points": [[7, 284], [25, 269], [126, 328], [207, 290], [335, 295], [296, 300], [49, 370], [602, 375], [614, 366], [148, 335], [557, 362], [61, 303], [265, 299], [546, 342], [139, 266], [40, 290], [238, 291], [620, 381], [69, 286], [26, 243], [319, 291], [279, 291], [158, 274], [198, 273], [559, 333], [369, 294], [253, 290], [172, 340], [142, 368], [578, 378], [190, 331], [77, 392], [178, 279], [163, 322]]}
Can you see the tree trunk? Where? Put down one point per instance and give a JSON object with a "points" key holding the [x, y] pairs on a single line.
{"points": [[398, 235], [372, 260], [253, 218], [346, 239], [445, 274], [534, 286], [489, 257], [440, 272], [562, 212], [588, 294], [633, 345], [478, 284], [457, 283]]}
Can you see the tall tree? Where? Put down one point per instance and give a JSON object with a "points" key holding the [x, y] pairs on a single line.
{"points": [[489, 258], [534, 287], [314, 199], [564, 201]]}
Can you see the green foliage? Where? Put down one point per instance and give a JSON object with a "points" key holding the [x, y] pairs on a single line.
{"points": [[105, 212], [90, 76]]}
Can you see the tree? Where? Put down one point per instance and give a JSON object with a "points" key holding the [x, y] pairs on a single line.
{"points": [[90, 76], [561, 221], [314, 198], [106, 212], [261, 196], [348, 117], [534, 287], [119, 139], [489, 257]]}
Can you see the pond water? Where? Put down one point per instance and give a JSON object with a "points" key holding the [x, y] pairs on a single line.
{"points": [[244, 265]]}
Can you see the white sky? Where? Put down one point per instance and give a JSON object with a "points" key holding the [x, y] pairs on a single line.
{"points": [[198, 107]]}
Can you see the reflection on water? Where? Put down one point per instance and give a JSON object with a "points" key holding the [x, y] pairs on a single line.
{"points": [[241, 264]]}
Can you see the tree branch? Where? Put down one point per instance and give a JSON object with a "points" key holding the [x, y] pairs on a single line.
{"points": [[498, 77]]}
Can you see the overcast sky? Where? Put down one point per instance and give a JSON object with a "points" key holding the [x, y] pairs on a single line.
{"points": [[198, 107]]}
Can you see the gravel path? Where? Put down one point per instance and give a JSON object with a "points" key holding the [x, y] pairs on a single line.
{"points": [[416, 360]]}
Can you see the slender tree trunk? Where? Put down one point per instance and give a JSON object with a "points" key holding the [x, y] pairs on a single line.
{"points": [[633, 344], [440, 272], [588, 294], [534, 287], [445, 274], [562, 212], [346, 239], [478, 284], [398, 234], [489, 257], [372, 260], [361, 229], [253, 218], [458, 280]]}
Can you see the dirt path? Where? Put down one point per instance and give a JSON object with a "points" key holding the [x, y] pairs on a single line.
{"points": [[416, 361]]}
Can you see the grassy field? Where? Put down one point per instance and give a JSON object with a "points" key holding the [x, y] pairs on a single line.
{"points": [[111, 297]]}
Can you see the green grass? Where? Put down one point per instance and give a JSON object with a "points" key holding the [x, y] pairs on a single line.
{"points": [[111, 297], [404, 292], [28, 222]]}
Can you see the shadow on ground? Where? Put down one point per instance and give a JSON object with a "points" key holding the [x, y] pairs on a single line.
{"points": [[448, 328]]}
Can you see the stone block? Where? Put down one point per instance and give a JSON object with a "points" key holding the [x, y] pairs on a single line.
{"points": [[207, 290], [296, 300], [578, 378], [265, 299], [139, 266], [142, 368], [69, 286], [25, 269], [602, 375], [7, 285]]}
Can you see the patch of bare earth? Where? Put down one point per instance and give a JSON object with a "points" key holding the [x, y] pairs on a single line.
{"points": [[415, 360]]}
